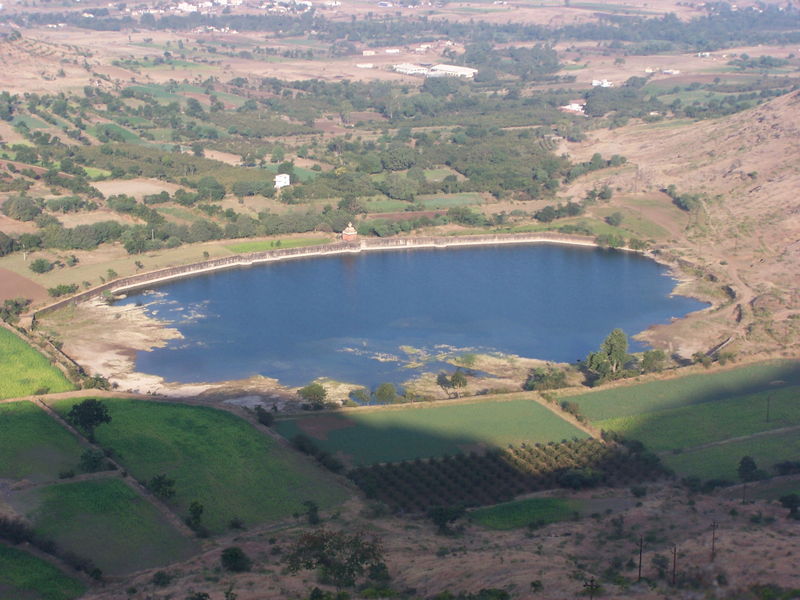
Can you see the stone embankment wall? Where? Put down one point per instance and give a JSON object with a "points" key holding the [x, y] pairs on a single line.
{"points": [[125, 284]]}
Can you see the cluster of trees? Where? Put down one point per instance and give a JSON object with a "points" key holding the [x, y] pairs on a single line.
{"points": [[612, 360], [341, 558], [499, 475], [721, 27], [546, 378], [11, 309], [765, 62], [454, 382], [684, 201], [306, 445]]}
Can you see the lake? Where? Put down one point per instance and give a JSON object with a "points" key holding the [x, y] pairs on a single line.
{"points": [[386, 316]]}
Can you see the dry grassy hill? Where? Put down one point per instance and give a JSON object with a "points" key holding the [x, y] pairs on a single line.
{"points": [[747, 231]]}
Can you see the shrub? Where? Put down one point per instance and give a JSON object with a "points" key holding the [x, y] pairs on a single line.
{"points": [[41, 265], [264, 417], [235, 560], [162, 578]]}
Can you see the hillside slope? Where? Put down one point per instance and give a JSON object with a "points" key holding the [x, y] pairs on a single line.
{"points": [[746, 233]]}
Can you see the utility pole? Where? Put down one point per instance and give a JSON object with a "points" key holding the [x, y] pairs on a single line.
{"points": [[769, 397], [674, 562], [641, 547], [713, 540], [591, 586]]}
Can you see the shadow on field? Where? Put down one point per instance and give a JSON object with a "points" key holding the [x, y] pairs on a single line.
{"points": [[412, 470]]}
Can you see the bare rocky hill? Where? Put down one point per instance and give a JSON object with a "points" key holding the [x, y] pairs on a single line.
{"points": [[746, 233]]}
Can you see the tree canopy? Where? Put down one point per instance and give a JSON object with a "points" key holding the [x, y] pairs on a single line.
{"points": [[88, 415], [314, 394], [609, 361], [342, 557]]}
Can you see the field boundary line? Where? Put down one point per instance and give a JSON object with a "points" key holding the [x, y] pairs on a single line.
{"points": [[126, 477], [733, 440], [572, 420], [462, 401]]}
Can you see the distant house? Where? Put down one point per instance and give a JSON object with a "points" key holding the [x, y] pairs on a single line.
{"points": [[573, 107], [602, 83], [368, 53], [282, 180], [452, 71]]}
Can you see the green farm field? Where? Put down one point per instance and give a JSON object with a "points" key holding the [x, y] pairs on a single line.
{"points": [[721, 461], [520, 513], [24, 371], [439, 201], [727, 409], [26, 577], [689, 426], [108, 522], [216, 459], [261, 245], [33, 446], [402, 433], [626, 401]]}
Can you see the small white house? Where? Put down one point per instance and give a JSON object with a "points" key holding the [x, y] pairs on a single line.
{"points": [[282, 180]]}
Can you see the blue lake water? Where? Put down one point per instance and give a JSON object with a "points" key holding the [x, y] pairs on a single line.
{"points": [[354, 317]]}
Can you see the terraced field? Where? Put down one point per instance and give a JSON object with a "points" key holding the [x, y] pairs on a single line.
{"points": [[32, 445], [215, 458]]}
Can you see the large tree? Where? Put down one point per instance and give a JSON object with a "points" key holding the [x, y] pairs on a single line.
{"points": [[386, 393], [458, 380], [340, 556], [609, 361], [314, 394], [747, 469], [88, 415]]}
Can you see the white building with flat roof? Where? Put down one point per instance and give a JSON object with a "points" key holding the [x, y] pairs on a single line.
{"points": [[452, 71], [410, 69], [282, 180]]}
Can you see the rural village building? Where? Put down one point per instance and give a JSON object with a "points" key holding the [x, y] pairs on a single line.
{"points": [[282, 180]]}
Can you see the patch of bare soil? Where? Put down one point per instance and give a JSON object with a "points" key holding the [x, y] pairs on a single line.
{"points": [[10, 135], [226, 157], [138, 188], [320, 426], [96, 216], [753, 545], [13, 286], [14, 228], [104, 339]]}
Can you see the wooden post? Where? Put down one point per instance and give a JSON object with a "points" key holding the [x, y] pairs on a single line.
{"points": [[674, 562], [713, 540], [641, 547]]}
